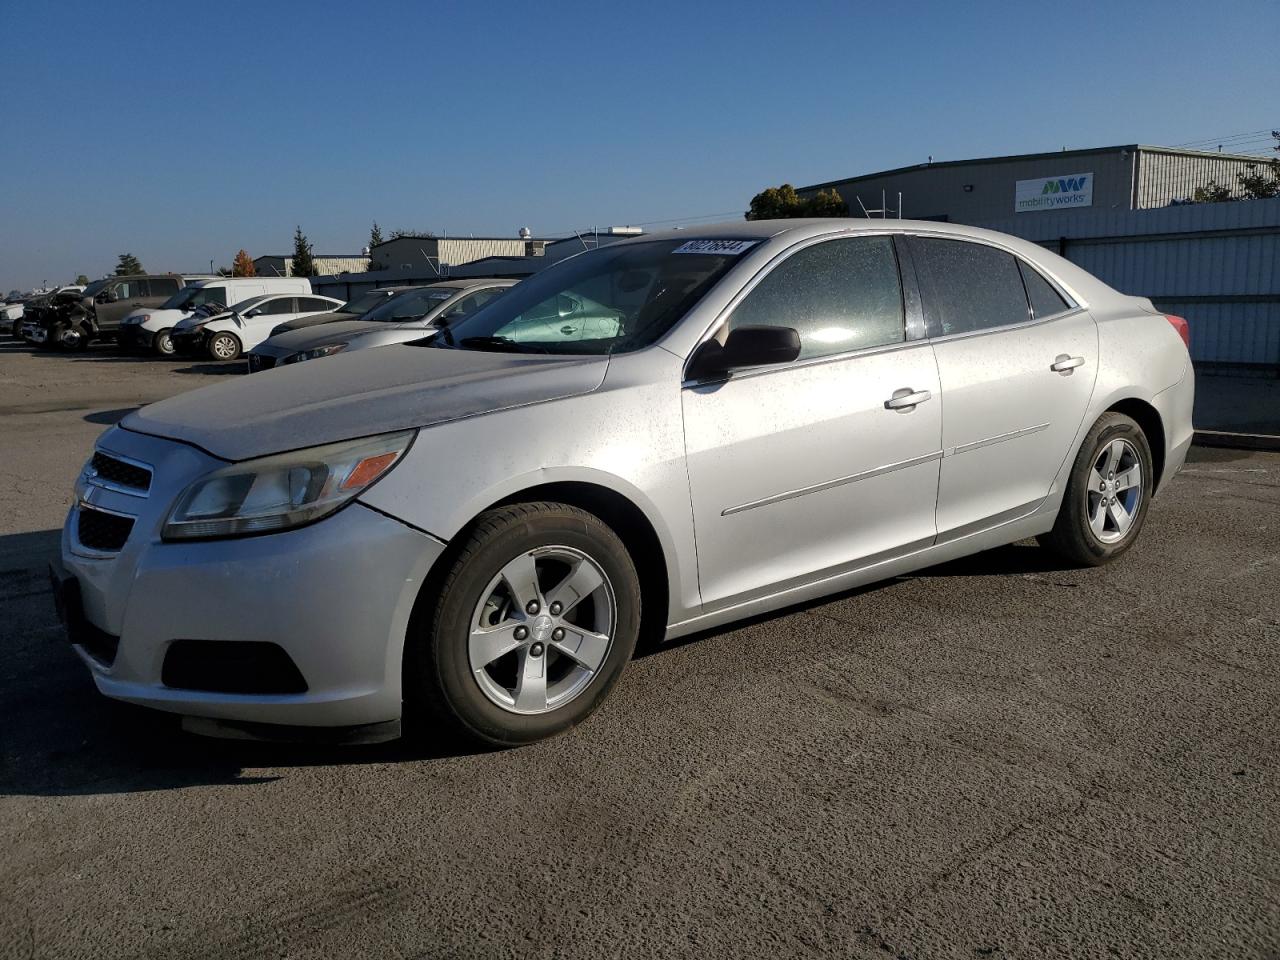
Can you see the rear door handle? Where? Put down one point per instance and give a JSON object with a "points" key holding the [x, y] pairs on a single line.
{"points": [[1062, 363], [906, 399]]}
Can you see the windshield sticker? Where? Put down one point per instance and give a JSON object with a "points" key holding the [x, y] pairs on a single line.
{"points": [[724, 247]]}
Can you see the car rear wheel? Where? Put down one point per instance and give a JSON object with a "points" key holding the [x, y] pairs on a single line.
{"points": [[162, 343], [1107, 494], [224, 346], [535, 620], [74, 339]]}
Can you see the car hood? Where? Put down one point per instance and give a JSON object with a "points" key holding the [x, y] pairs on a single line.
{"points": [[299, 322], [359, 394], [284, 344]]}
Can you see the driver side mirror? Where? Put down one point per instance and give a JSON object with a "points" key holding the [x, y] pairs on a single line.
{"points": [[747, 346]]}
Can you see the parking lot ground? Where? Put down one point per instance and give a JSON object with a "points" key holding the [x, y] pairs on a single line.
{"points": [[999, 757]]}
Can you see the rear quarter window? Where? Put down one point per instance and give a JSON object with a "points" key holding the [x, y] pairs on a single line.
{"points": [[967, 286]]}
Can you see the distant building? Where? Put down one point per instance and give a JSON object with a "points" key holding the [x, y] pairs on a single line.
{"points": [[508, 267], [417, 253], [1132, 177], [269, 266]]}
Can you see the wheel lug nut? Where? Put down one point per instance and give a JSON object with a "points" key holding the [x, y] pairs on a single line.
{"points": [[532, 607], [556, 607], [536, 650], [521, 633], [557, 634]]}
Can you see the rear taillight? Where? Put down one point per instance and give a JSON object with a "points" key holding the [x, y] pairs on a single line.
{"points": [[1180, 324]]}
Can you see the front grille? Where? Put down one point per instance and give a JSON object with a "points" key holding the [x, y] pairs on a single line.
{"points": [[111, 470], [102, 531], [231, 666]]}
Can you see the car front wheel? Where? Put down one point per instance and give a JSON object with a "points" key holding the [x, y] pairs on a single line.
{"points": [[224, 346], [532, 625], [1107, 494], [163, 343]]}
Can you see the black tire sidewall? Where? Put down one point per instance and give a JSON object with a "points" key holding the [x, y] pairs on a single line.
{"points": [[160, 338], [447, 648]]}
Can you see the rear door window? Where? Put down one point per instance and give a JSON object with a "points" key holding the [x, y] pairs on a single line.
{"points": [[968, 287], [314, 304], [279, 305], [839, 295], [162, 286]]}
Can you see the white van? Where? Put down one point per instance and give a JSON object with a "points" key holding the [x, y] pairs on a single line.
{"points": [[150, 328]]}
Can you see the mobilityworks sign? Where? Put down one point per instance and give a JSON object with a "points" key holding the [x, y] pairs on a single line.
{"points": [[1053, 193]]}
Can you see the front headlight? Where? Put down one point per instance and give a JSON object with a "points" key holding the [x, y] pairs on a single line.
{"points": [[315, 353], [283, 491], [135, 318]]}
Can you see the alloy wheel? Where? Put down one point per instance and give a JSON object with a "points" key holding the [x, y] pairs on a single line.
{"points": [[223, 347], [1114, 491], [542, 630]]}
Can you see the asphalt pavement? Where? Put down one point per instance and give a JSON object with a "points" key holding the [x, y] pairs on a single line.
{"points": [[999, 757]]}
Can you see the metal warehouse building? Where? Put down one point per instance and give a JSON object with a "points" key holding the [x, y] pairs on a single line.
{"points": [[1132, 177], [410, 252]]}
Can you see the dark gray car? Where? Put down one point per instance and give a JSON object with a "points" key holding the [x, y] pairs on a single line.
{"points": [[353, 309], [413, 314]]}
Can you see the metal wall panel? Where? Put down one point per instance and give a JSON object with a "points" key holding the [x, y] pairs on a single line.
{"points": [[1165, 177]]}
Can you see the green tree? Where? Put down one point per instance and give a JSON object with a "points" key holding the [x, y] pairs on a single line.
{"points": [[375, 235], [1212, 192], [776, 203], [243, 265], [128, 265], [782, 203], [304, 265], [82, 280], [828, 203]]}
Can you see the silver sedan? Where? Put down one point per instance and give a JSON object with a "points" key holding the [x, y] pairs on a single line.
{"points": [[473, 532]]}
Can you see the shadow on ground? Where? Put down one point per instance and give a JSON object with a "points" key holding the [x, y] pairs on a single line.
{"points": [[63, 738]]}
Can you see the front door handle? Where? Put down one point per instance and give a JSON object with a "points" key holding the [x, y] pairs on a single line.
{"points": [[567, 331], [1063, 363], [906, 399]]}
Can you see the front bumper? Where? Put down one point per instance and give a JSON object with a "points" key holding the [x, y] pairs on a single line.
{"points": [[335, 596], [190, 342], [133, 336]]}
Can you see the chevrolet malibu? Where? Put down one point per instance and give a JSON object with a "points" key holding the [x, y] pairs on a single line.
{"points": [[474, 531]]}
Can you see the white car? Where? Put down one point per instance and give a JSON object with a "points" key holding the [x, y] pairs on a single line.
{"points": [[226, 335], [148, 328]]}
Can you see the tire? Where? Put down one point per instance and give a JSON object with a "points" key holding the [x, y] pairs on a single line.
{"points": [[224, 346], [452, 672], [74, 339], [1090, 529], [162, 343]]}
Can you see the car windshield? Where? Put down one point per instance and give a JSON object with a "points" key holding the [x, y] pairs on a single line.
{"points": [[94, 287], [610, 300], [188, 298], [364, 302], [410, 305]]}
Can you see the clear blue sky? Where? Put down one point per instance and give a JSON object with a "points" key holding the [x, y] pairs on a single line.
{"points": [[182, 132]]}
